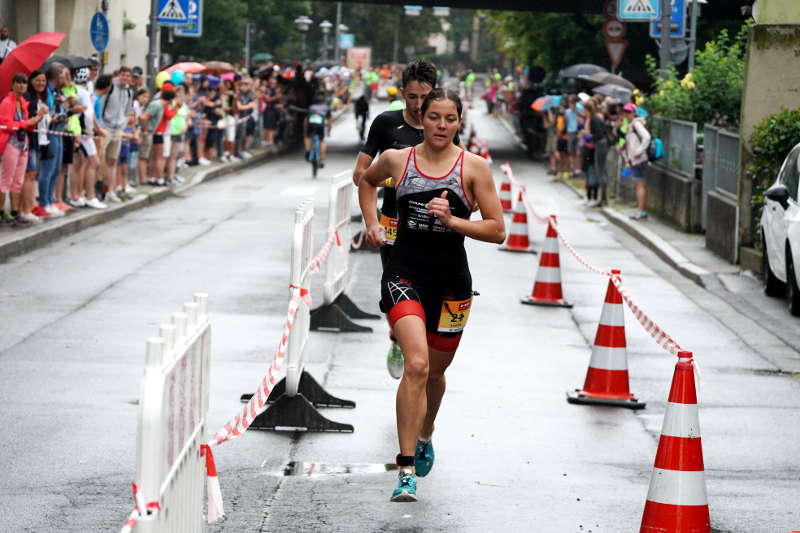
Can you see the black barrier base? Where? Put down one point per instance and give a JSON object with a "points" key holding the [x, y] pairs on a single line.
{"points": [[544, 303], [295, 413], [338, 317], [310, 389], [576, 397]]}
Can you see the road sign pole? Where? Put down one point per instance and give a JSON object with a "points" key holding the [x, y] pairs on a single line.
{"points": [[665, 55], [693, 33], [337, 33], [152, 50]]}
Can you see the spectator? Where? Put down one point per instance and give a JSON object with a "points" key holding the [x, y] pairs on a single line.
{"points": [[74, 113], [210, 102], [129, 136], [137, 78], [177, 131], [115, 105], [40, 156], [269, 112], [82, 183], [156, 117], [552, 136], [143, 142], [637, 141], [58, 144], [573, 125], [6, 44], [14, 145], [228, 121], [246, 106]]}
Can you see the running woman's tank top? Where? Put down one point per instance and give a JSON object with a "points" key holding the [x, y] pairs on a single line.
{"points": [[422, 240]]}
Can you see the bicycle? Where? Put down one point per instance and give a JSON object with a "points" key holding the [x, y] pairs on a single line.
{"points": [[314, 156]]}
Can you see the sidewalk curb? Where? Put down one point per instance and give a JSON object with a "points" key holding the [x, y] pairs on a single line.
{"points": [[72, 224], [664, 250]]}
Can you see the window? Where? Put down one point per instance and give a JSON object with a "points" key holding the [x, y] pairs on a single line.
{"points": [[791, 174]]}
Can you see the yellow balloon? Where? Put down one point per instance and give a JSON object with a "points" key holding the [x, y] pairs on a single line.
{"points": [[161, 77]]}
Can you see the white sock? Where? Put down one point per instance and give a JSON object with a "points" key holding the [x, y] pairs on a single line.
{"points": [[424, 441]]}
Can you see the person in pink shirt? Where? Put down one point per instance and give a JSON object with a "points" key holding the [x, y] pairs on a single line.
{"points": [[14, 125]]}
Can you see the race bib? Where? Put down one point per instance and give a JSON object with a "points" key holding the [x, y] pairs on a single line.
{"points": [[454, 316], [389, 229], [316, 119]]}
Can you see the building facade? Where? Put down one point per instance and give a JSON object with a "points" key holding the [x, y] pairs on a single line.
{"points": [[127, 20]]}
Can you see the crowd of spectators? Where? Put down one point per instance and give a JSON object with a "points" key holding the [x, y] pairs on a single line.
{"points": [[73, 138]]}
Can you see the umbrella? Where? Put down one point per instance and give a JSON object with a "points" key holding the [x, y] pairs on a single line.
{"points": [[545, 102], [606, 78], [218, 67], [614, 91], [188, 67], [27, 57], [71, 62], [581, 69]]}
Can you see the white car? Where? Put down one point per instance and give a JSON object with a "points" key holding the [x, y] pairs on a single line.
{"points": [[780, 227]]}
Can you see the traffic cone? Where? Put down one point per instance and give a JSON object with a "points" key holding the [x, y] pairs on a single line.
{"points": [[518, 240], [485, 151], [547, 287], [677, 500], [505, 194], [473, 142], [607, 378]]}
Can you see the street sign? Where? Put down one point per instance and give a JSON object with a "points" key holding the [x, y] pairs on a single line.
{"points": [[441, 11], [173, 12], [195, 26], [347, 40], [413, 11], [641, 10], [98, 31], [614, 29], [616, 49], [677, 21]]}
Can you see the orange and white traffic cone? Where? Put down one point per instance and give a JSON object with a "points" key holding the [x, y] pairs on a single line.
{"points": [[518, 239], [547, 287], [485, 151], [473, 142], [677, 500], [607, 378], [505, 193]]}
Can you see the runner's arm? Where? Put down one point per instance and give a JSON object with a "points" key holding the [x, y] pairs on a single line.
{"points": [[492, 227], [373, 176]]}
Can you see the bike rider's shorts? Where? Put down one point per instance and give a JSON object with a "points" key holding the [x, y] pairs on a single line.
{"points": [[318, 129]]}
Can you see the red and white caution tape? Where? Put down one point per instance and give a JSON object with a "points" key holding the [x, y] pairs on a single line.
{"points": [[140, 509], [506, 167], [582, 260]]}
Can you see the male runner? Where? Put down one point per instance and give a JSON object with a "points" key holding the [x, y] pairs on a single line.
{"points": [[395, 130]]}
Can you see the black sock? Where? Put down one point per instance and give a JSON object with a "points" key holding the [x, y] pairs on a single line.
{"points": [[14, 214], [404, 460]]}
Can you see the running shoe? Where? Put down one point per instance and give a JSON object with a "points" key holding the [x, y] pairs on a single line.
{"points": [[406, 490], [62, 206], [40, 211], [423, 458], [53, 211], [111, 196], [30, 217], [394, 361], [21, 222], [94, 203], [80, 202]]}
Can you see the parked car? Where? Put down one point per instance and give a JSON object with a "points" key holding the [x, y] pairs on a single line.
{"points": [[780, 227]]}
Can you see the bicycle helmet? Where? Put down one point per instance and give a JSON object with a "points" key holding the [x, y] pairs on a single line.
{"points": [[82, 75]]}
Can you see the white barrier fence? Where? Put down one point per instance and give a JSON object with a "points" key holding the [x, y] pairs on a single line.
{"points": [[302, 253], [170, 471]]}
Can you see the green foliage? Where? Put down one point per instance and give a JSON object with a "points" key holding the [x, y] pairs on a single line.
{"points": [[712, 93], [771, 141]]}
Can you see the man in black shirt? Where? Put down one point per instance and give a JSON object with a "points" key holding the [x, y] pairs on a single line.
{"points": [[393, 130]]}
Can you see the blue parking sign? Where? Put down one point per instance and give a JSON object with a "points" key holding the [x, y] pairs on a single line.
{"points": [[173, 11], [195, 26], [98, 31], [677, 21]]}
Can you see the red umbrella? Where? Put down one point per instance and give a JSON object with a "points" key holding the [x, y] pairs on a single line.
{"points": [[27, 57]]}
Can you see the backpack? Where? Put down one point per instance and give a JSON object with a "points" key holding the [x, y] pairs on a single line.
{"points": [[655, 150]]}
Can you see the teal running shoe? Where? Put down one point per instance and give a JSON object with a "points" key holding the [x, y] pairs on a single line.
{"points": [[406, 490], [394, 361], [423, 458]]}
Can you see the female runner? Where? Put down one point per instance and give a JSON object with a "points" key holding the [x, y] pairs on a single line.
{"points": [[426, 287]]}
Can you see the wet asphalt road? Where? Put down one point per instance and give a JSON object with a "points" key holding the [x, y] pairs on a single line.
{"points": [[512, 455]]}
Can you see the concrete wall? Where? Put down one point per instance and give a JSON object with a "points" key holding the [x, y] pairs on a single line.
{"points": [[674, 197], [721, 227], [73, 17], [772, 82], [778, 12]]}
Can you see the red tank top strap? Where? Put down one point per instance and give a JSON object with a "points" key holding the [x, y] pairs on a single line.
{"points": [[405, 170], [461, 182]]}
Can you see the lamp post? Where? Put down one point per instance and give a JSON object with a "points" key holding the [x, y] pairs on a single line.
{"points": [[303, 23], [325, 26], [338, 30]]}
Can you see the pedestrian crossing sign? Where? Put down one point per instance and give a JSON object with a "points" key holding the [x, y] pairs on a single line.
{"points": [[641, 10], [173, 11]]}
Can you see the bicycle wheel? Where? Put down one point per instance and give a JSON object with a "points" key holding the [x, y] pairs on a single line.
{"points": [[315, 155]]}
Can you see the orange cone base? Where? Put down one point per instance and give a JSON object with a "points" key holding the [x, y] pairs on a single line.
{"points": [[529, 300], [581, 397], [527, 250], [661, 517]]}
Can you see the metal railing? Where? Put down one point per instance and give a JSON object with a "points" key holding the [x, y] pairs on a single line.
{"points": [[680, 143], [721, 159]]}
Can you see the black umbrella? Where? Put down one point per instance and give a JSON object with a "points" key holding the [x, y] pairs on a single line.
{"points": [[615, 91], [581, 69], [71, 62], [606, 78]]}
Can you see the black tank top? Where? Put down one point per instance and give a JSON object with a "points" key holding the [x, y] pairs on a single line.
{"points": [[424, 245]]}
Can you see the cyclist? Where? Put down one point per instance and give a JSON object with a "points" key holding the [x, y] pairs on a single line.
{"points": [[319, 116], [394, 130], [359, 93], [426, 287]]}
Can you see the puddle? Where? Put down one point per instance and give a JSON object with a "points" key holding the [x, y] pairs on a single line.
{"points": [[299, 468]]}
